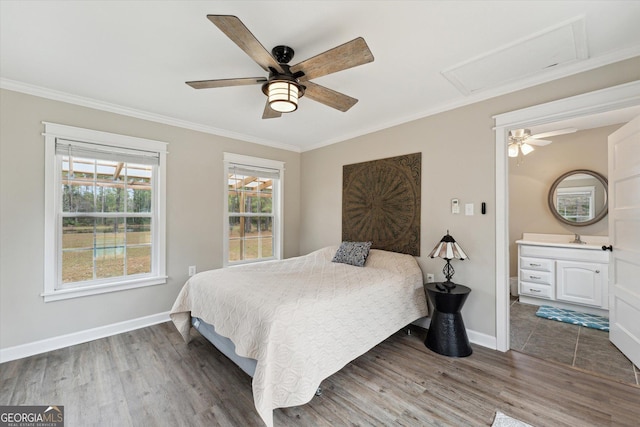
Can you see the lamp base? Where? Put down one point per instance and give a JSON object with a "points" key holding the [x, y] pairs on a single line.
{"points": [[448, 270]]}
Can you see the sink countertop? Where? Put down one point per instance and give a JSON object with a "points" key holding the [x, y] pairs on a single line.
{"points": [[564, 241]]}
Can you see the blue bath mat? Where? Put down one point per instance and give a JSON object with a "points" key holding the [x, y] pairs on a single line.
{"points": [[568, 316]]}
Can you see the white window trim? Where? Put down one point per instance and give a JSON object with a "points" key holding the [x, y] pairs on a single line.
{"points": [[231, 159], [52, 192]]}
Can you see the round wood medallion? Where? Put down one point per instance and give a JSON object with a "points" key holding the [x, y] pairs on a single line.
{"points": [[381, 203]]}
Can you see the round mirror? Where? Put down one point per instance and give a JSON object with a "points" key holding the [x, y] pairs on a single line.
{"points": [[579, 197]]}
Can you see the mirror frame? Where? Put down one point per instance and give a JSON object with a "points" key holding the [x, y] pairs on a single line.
{"points": [[596, 218]]}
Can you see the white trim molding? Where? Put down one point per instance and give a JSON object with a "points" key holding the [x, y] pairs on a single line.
{"points": [[278, 194], [609, 99], [114, 143], [55, 343], [484, 340]]}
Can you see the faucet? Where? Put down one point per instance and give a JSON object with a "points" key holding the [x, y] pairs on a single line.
{"points": [[577, 239]]}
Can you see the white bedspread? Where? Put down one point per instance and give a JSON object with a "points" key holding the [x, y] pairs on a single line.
{"points": [[303, 318]]}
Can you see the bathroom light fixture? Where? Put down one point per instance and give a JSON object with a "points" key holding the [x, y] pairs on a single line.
{"points": [[517, 144], [522, 147], [448, 249]]}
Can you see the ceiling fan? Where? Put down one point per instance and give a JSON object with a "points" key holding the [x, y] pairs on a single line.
{"points": [[286, 84], [521, 140]]}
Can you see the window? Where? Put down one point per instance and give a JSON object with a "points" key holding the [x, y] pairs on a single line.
{"points": [[104, 207], [576, 203], [253, 209]]}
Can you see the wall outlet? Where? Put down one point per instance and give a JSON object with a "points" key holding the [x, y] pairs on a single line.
{"points": [[430, 278], [192, 270]]}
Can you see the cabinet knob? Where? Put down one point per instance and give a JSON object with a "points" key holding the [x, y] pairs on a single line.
{"points": [[597, 271], [607, 248]]}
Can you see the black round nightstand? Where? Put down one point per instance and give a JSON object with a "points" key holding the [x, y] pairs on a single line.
{"points": [[447, 334]]}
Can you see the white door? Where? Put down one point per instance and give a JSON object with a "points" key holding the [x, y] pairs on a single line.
{"points": [[624, 235]]}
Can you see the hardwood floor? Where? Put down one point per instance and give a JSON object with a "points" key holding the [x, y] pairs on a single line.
{"points": [[149, 377]]}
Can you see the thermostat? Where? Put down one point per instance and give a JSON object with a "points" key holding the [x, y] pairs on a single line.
{"points": [[455, 206]]}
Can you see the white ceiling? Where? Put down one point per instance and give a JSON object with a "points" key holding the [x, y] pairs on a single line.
{"points": [[133, 57]]}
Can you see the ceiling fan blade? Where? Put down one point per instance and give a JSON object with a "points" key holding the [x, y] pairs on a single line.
{"points": [[554, 133], [207, 84], [270, 113], [240, 35], [329, 97], [538, 142], [351, 54]]}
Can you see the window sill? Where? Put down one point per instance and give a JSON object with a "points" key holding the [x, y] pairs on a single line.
{"points": [[247, 262], [62, 294]]}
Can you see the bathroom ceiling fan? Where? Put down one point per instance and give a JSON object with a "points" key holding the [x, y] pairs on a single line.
{"points": [[521, 140], [287, 83]]}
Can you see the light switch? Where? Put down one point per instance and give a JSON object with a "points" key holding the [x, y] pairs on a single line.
{"points": [[468, 209]]}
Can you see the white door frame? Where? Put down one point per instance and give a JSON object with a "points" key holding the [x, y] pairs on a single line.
{"points": [[609, 99]]}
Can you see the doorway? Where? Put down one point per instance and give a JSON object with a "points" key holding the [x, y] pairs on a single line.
{"points": [[610, 99], [577, 144]]}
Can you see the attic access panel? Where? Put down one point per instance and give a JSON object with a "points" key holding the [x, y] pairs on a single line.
{"points": [[535, 54], [381, 203]]}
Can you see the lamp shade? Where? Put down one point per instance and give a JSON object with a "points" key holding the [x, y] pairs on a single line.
{"points": [[283, 96], [448, 248]]}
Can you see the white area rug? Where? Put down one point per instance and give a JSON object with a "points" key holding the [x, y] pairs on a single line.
{"points": [[502, 420]]}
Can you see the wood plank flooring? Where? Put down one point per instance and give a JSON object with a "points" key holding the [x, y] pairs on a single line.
{"points": [[149, 377]]}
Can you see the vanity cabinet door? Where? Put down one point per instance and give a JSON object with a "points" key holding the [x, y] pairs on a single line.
{"points": [[581, 282]]}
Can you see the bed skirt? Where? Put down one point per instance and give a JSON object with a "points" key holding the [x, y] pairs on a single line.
{"points": [[225, 345]]}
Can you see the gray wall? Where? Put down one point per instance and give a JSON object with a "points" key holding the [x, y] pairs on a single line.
{"points": [[194, 216], [458, 161]]}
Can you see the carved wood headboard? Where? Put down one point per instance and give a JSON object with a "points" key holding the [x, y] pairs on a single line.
{"points": [[381, 203]]}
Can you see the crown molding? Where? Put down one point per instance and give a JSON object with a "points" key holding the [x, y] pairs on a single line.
{"points": [[55, 95], [551, 75]]}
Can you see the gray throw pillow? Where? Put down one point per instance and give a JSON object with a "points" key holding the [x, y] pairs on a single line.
{"points": [[352, 253]]}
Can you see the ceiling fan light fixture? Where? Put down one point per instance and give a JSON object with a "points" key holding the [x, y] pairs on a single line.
{"points": [[283, 96], [526, 148], [513, 150], [519, 135]]}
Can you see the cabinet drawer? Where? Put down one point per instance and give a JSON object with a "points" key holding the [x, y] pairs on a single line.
{"points": [[542, 277], [539, 264], [535, 290]]}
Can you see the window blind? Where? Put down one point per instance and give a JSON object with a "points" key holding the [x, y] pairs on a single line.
{"points": [[103, 152], [254, 171]]}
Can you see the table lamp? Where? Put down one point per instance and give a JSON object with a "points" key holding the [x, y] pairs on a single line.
{"points": [[448, 249]]}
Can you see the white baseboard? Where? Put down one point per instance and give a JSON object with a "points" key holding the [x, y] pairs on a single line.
{"points": [[482, 339], [54, 343], [49, 344]]}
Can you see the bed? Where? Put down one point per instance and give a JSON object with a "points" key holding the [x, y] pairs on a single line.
{"points": [[297, 321]]}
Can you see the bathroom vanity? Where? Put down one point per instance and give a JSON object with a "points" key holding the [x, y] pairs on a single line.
{"points": [[552, 270]]}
